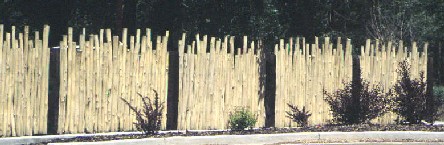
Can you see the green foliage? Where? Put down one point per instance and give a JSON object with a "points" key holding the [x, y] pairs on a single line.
{"points": [[242, 118], [149, 118], [298, 116], [399, 20], [412, 102], [438, 91]]}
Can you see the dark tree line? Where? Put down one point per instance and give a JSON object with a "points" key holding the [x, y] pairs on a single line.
{"points": [[268, 20]]}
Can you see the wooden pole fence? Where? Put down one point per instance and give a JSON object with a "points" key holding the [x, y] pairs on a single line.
{"points": [[215, 78]]}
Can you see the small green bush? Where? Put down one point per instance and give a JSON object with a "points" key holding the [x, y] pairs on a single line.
{"points": [[298, 116], [149, 118], [242, 118]]}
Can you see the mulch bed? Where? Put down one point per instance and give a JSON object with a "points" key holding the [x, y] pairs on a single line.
{"points": [[325, 128]]}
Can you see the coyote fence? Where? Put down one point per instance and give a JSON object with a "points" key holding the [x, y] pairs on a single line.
{"points": [[214, 83], [104, 69], [215, 78], [24, 68]]}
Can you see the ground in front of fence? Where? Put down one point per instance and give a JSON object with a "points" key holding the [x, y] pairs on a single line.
{"points": [[326, 128]]}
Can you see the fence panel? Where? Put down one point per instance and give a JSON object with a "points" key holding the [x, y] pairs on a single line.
{"points": [[301, 76], [24, 69], [379, 64], [103, 70], [303, 71], [213, 84]]}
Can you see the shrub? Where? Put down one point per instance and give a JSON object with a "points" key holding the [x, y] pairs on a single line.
{"points": [[357, 103], [372, 103], [298, 116], [241, 119], [150, 116], [411, 99], [438, 91]]}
